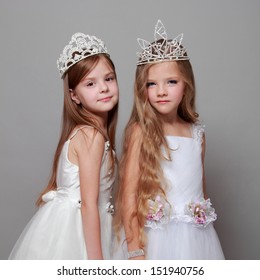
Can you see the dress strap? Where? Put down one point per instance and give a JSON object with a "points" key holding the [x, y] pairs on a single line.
{"points": [[198, 130]]}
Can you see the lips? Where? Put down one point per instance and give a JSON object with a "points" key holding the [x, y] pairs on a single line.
{"points": [[162, 101], [105, 99]]}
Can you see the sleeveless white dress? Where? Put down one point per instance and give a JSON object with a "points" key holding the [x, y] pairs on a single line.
{"points": [[56, 231], [181, 228]]}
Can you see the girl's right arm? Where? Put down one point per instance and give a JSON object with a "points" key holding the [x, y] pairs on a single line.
{"points": [[89, 148], [129, 197]]}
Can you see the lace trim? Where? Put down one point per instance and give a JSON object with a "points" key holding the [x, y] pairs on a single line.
{"points": [[198, 131], [199, 214], [159, 213]]}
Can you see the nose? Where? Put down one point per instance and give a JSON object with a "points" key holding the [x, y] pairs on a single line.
{"points": [[162, 91], [103, 87]]}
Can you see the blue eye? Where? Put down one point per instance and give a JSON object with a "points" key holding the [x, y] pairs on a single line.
{"points": [[150, 84], [172, 82]]}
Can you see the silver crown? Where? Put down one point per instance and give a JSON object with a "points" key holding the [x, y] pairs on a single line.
{"points": [[79, 47], [162, 49]]}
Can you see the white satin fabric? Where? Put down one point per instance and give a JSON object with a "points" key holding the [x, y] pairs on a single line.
{"points": [[181, 238], [55, 231]]}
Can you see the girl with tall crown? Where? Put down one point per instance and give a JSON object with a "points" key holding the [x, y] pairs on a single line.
{"points": [[162, 203], [74, 216]]}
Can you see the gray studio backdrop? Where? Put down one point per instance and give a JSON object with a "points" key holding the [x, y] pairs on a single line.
{"points": [[223, 41]]}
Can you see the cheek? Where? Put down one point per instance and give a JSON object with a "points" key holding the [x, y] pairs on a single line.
{"points": [[151, 95], [178, 93], [116, 95], [115, 89], [88, 97]]}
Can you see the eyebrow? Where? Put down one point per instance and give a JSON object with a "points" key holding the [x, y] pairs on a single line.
{"points": [[92, 78], [168, 78]]}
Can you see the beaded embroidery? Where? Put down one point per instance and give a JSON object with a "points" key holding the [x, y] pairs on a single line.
{"points": [[110, 208]]}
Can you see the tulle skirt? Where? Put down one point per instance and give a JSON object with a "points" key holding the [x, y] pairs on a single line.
{"points": [[56, 232], [177, 241]]}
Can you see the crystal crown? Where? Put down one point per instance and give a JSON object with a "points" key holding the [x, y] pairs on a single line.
{"points": [[79, 47], [162, 49]]}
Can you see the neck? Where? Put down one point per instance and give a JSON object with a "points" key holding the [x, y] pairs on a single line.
{"points": [[175, 126], [102, 121], [170, 119]]}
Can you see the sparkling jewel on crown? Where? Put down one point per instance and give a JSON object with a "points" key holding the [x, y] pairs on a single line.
{"points": [[162, 49], [79, 47]]}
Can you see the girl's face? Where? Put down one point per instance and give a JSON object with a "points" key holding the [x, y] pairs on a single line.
{"points": [[165, 88], [98, 91]]}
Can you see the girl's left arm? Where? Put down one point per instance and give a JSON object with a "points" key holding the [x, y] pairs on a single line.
{"points": [[203, 168]]}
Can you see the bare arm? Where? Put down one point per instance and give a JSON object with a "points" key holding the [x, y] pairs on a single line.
{"points": [[89, 149], [130, 185]]}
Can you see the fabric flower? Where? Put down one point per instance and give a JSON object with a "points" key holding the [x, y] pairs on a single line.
{"points": [[201, 212], [49, 196], [159, 212]]}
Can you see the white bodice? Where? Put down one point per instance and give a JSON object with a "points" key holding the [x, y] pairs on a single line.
{"points": [[68, 183], [184, 172]]}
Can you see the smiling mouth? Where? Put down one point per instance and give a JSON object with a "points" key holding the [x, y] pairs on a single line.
{"points": [[106, 99]]}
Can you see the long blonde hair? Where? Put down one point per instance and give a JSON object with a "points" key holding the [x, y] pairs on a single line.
{"points": [[75, 114], [152, 142]]}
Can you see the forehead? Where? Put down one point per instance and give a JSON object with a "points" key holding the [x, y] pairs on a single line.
{"points": [[167, 68], [102, 64], [102, 67]]}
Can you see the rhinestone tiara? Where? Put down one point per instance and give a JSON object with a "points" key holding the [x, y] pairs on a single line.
{"points": [[79, 47], [162, 49]]}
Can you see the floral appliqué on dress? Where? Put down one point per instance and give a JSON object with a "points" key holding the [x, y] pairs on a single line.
{"points": [[159, 212], [200, 213]]}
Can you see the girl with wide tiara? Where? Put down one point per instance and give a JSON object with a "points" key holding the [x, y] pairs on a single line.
{"points": [[162, 203], [74, 219]]}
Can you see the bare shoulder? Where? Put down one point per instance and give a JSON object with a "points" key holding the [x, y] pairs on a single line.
{"points": [[88, 138]]}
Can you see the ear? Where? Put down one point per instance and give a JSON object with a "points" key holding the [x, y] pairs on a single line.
{"points": [[74, 96]]}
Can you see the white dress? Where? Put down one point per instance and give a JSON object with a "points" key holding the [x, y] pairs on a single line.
{"points": [[181, 228], [56, 231]]}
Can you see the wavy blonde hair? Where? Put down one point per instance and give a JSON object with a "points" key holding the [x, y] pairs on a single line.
{"points": [[152, 143], [75, 114]]}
